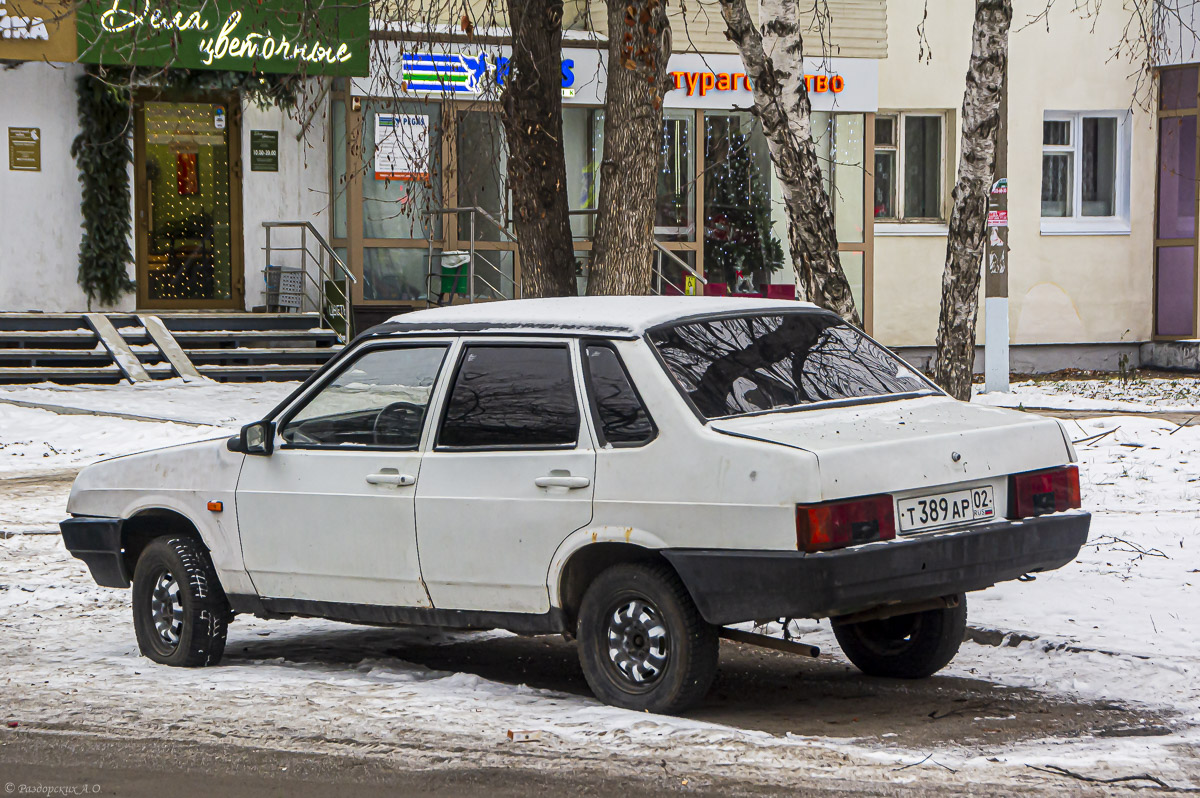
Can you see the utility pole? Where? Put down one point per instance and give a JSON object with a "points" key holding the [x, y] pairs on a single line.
{"points": [[995, 285]]}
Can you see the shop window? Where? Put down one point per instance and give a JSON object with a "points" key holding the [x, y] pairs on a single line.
{"points": [[1085, 166], [583, 146], [401, 144], [741, 247], [910, 164], [482, 174], [673, 212]]}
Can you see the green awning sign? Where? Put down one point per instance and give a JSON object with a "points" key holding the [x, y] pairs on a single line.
{"points": [[319, 37]]}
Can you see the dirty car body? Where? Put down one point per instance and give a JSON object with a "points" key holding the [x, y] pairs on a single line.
{"points": [[635, 472]]}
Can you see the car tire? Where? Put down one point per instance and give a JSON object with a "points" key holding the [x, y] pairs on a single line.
{"points": [[911, 646], [180, 613], [642, 642]]}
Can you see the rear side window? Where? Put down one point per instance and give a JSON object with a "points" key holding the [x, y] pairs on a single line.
{"points": [[512, 396], [749, 364], [620, 414]]}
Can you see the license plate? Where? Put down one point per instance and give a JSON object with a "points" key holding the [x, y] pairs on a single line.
{"points": [[946, 509]]}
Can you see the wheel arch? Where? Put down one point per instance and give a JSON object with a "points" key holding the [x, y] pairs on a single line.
{"points": [[582, 563], [153, 522]]}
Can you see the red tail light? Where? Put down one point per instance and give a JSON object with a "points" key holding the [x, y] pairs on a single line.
{"points": [[1040, 492], [835, 525]]}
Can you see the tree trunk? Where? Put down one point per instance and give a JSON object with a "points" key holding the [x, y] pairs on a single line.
{"points": [[639, 45], [775, 63], [968, 220], [537, 169]]}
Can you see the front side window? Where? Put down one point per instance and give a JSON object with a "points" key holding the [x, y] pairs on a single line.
{"points": [[909, 167], [512, 397], [750, 364], [1082, 157], [380, 400], [620, 414]]}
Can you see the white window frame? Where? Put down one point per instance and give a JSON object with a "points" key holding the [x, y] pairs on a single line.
{"points": [[1077, 223], [923, 225]]}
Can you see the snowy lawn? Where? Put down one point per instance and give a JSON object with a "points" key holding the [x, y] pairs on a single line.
{"points": [[205, 402], [1178, 394], [1119, 624]]}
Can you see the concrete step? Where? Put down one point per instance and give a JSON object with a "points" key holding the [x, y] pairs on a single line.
{"points": [[274, 372]]}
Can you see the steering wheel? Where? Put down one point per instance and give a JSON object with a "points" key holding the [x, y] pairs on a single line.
{"points": [[406, 424]]}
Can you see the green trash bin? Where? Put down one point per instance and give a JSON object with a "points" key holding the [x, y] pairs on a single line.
{"points": [[453, 271]]}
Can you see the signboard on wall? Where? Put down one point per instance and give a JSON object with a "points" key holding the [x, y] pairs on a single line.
{"points": [[322, 37], [402, 147], [25, 149], [264, 150], [37, 30], [716, 81]]}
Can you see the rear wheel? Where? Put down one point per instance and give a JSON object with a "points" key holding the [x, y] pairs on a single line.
{"points": [[642, 642], [180, 613], [909, 646]]}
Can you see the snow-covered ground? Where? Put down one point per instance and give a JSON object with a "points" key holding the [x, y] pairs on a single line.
{"points": [[1138, 395], [1121, 624], [207, 402]]}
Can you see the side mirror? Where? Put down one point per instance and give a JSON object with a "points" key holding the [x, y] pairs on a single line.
{"points": [[256, 438]]}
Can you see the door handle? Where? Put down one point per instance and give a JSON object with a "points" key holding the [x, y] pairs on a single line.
{"points": [[564, 481], [390, 476]]}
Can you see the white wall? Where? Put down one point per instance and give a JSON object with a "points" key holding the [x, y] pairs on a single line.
{"points": [[299, 191], [40, 213], [40, 216], [1063, 288]]}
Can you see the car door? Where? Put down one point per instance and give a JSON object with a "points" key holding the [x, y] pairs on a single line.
{"points": [[510, 475], [329, 515]]}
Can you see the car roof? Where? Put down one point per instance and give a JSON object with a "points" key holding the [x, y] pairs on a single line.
{"points": [[624, 316]]}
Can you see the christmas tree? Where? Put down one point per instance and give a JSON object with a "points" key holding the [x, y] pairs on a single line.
{"points": [[739, 243]]}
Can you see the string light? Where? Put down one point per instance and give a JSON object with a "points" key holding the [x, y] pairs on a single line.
{"points": [[179, 214]]}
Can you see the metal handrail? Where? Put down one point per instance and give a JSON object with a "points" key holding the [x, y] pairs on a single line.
{"points": [[342, 285], [320, 240], [471, 276], [657, 272]]}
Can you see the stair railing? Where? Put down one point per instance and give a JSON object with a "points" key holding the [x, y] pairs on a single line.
{"points": [[430, 274], [334, 311], [658, 279]]}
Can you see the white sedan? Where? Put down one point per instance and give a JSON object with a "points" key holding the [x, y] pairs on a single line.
{"points": [[637, 473]]}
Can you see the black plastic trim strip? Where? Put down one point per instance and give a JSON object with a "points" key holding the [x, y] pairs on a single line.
{"points": [[552, 622]]}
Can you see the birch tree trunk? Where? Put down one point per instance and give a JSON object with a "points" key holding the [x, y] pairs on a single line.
{"points": [[537, 169], [773, 56], [639, 45], [954, 367]]}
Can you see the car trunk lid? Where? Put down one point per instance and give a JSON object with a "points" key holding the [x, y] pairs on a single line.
{"points": [[887, 447]]}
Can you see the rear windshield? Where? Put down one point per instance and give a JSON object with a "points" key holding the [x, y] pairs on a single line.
{"points": [[749, 364]]}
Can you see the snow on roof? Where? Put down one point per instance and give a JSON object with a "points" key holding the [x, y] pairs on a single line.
{"points": [[630, 315]]}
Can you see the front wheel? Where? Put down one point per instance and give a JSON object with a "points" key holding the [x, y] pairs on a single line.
{"points": [[909, 646], [642, 642], [180, 613]]}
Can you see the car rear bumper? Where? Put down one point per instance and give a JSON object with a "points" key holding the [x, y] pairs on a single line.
{"points": [[736, 586], [97, 541]]}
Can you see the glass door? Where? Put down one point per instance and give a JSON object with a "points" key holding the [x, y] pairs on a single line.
{"points": [[189, 236], [1175, 223]]}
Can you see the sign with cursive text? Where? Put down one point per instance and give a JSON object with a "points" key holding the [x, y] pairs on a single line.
{"points": [[319, 37]]}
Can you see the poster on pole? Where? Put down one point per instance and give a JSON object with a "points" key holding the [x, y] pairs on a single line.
{"points": [[402, 147]]}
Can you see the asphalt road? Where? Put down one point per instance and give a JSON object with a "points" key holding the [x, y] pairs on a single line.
{"points": [[60, 762]]}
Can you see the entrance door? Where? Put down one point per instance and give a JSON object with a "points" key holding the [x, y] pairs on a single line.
{"points": [[187, 195]]}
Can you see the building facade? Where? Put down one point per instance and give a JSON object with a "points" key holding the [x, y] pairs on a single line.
{"points": [[389, 165]]}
